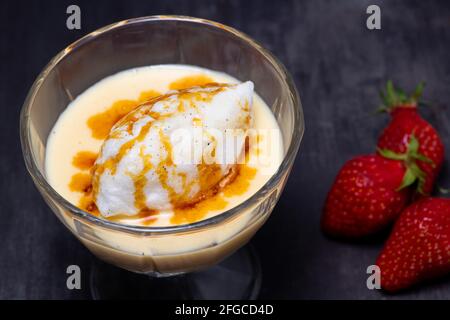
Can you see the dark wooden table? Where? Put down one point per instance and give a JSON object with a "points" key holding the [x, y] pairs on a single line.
{"points": [[338, 66]]}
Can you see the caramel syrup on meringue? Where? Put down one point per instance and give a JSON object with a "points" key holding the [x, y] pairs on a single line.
{"points": [[101, 123]]}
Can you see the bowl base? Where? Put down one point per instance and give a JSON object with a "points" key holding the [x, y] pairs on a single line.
{"points": [[237, 277]]}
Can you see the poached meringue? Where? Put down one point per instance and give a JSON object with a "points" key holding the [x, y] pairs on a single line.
{"points": [[173, 150]]}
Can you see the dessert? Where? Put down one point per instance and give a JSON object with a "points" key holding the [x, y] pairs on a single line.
{"points": [[70, 112], [163, 145]]}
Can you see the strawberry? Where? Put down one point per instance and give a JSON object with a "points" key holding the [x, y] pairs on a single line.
{"points": [[364, 197], [419, 245], [370, 192], [407, 121]]}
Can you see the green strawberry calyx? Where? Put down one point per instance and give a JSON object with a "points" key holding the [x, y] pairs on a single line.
{"points": [[394, 97], [410, 158]]}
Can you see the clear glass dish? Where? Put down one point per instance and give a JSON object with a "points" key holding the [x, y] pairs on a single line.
{"points": [[160, 251]]}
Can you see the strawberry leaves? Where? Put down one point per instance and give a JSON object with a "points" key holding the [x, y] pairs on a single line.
{"points": [[418, 91], [394, 97], [410, 158]]}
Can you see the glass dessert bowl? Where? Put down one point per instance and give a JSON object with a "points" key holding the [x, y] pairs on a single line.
{"points": [[161, 250]]}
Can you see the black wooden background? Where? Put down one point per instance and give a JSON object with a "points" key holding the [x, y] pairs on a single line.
{"points": [[338, 66]]}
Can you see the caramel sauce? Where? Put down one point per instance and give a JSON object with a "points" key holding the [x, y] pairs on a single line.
{"points": [[141, 180], [199, 210], [174, 198], [190, 81], [181, 108], [81, 182], [247, 150], [187, 95], [163, 174], [242, 182], [84, 160], [162, 168], [197, 122], [217, 200], [209, 175], [101, 123], [183, 95], [87, 203], [147, 95]]}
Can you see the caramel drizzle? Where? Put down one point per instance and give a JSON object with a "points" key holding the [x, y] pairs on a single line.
{"points": [[84, 160], [190, 81], [236, 183], [112, 163], [82, 182], [101, 123], [163, 166], [184, 95], [140, 181]]}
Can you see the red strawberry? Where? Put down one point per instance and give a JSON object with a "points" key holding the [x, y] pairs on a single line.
{"points": [[364, 197], [405, 122], [419, 246], [370, 192]]}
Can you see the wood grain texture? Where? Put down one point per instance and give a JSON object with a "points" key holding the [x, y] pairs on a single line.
{"points": [[338, 66]]}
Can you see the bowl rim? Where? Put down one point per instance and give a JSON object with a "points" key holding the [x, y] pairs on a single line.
{"points": [[44, 186]]}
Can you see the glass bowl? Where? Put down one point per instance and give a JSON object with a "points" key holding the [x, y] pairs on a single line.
{"points": [[160, 251]]}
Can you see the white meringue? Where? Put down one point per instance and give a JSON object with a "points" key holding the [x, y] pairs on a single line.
{"points": [[171, 150]]}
